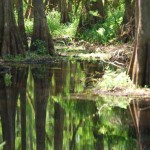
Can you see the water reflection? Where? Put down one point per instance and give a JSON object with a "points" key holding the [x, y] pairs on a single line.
{"points": [[140, 111], [39, 112], [42, 78], [9, 92]]}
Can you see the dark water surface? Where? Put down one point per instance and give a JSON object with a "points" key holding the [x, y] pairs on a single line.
{"points": [[45, 107]]}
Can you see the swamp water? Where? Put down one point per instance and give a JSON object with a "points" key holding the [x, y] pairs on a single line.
{"points": [[46, 107]]}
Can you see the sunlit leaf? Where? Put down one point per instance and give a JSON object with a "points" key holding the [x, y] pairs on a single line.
{"points": [[101, 31]]}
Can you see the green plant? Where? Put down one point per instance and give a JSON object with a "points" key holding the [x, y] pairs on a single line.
{"points": [[8, 57], [40, 47], [53, 20], [110, 26], [56, 28], [114, 79], [2, 145], [16, 58], [61, 30], [104, 32], [7, 79], [29, 26], [31, 55]]}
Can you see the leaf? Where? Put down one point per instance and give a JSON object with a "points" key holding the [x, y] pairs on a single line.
{"points": [[101, 31]]}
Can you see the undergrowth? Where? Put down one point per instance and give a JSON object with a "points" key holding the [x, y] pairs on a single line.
{"points": [[107, 31], [57, 29], [99, 33], [114, 79]]}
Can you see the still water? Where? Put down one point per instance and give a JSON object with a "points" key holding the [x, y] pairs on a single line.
{"points": [[46, 107]]}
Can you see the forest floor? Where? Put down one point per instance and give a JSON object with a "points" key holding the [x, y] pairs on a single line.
{"points": [[115, 54], [121, 91]]}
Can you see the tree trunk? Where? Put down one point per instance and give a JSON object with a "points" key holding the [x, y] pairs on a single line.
{"points": [[40, 30], [99, 7], [128, 25], [64, 11], [29, 10], [140, 62], [10, 39], [51, 4], [21, 25], [1, 24]]}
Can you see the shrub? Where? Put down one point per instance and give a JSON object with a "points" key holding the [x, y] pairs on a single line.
{"points": [[114, 79]]}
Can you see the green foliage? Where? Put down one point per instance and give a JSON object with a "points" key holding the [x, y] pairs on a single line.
{"points": [[31, 55], [107, 31], [29, 26], [53, 20], [61, 30], [56, 28], [111, 25], [113, 125], [7, 79], [40, 47], [102, 32], [2, 145], [16, 58], [114, 79]]}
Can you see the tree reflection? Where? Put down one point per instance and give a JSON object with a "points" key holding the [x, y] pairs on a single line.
{"points": [[8, 103], [72, 122], [99, 137], [140, 111], [58, 126], [60, 85], [22, 77], [71, 78], [42, 78]]}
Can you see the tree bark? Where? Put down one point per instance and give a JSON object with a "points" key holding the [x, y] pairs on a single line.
{"points": [[40, 29], [128, 25], [140, 62], [21, 25], [98, 6], [64, 11], [29, 10], [52, 4], [10, 39], [1, 24]]}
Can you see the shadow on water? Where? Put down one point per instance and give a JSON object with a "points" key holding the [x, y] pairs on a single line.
{"points": [[42, 107]]}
